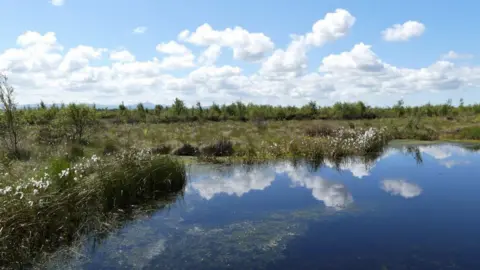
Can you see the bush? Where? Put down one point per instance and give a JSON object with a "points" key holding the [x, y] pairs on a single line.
{"points": [[78, 121], [49, 135]]}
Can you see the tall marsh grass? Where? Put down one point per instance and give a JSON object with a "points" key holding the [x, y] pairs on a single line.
{"points": [[64, 201]]}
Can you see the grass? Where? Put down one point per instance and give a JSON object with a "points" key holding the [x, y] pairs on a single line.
{"points": [[65, 200], [64, 189]]}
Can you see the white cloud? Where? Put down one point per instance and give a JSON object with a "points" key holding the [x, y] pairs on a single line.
{"points": [[454, 56], [360, 59], [41, 68], [57, 2], [403, 32], [334, 26], [80, 57], [401, 188], [292, 62], [178, 62], [122, 56], [210, 55], [245, 45], [140, 30], [172, 47]]}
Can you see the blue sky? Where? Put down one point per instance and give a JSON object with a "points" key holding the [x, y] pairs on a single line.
{"points": [[109, 25]]}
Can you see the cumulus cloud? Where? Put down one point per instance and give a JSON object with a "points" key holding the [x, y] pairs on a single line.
{"points": [[403, 32], [292, 61], [401, 188], [79, 57], [140, 30], [172, 47], [455, 56], [57, 2], [122, 56], [40, 67], [360, 59], [210, 55], [245, 45]]}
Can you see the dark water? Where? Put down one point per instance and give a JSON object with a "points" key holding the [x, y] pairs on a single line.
{"points": [[401, 211]]}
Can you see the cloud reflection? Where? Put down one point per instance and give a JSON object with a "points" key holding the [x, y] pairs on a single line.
{"points": [[239, 181], [443, 151], [236, 182], [401, 188], [332, 194], [357, 166]]}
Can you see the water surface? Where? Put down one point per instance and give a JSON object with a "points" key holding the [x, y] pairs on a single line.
{"points": [[415, 208]]}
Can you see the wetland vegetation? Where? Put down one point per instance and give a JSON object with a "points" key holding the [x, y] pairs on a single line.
{"points": [[70, 170]]}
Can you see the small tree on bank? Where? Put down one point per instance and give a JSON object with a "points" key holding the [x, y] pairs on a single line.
{"points": [[10, 121], [78, 121]]}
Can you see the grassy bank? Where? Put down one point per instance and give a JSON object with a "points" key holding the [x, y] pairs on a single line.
{"points": [[57, 204]]}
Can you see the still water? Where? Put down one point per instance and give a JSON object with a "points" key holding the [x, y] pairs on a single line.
{"points": [[416, 209]]}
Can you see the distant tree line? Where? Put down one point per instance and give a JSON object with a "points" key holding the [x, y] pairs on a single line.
{"points": [[239, 111]]}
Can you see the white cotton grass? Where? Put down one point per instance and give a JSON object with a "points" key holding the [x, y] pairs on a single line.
{"points": [[359, 141], [36, 186]]}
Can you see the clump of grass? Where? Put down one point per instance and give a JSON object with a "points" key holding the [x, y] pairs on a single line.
{"points": [[469, 133], [74, 151], [220, 148], [319, 131], [142, 178], [110, 147], [66, 200], [186, 150], [162, 149]]}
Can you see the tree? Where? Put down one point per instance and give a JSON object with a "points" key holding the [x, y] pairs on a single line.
{"points": [[122, 107], [78, 120], [199, 109], [399, 109], [10, 126], [42, 105], [178, 106]]}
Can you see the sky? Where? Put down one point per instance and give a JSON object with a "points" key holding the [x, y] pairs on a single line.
{"points": [[265, 52]]}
